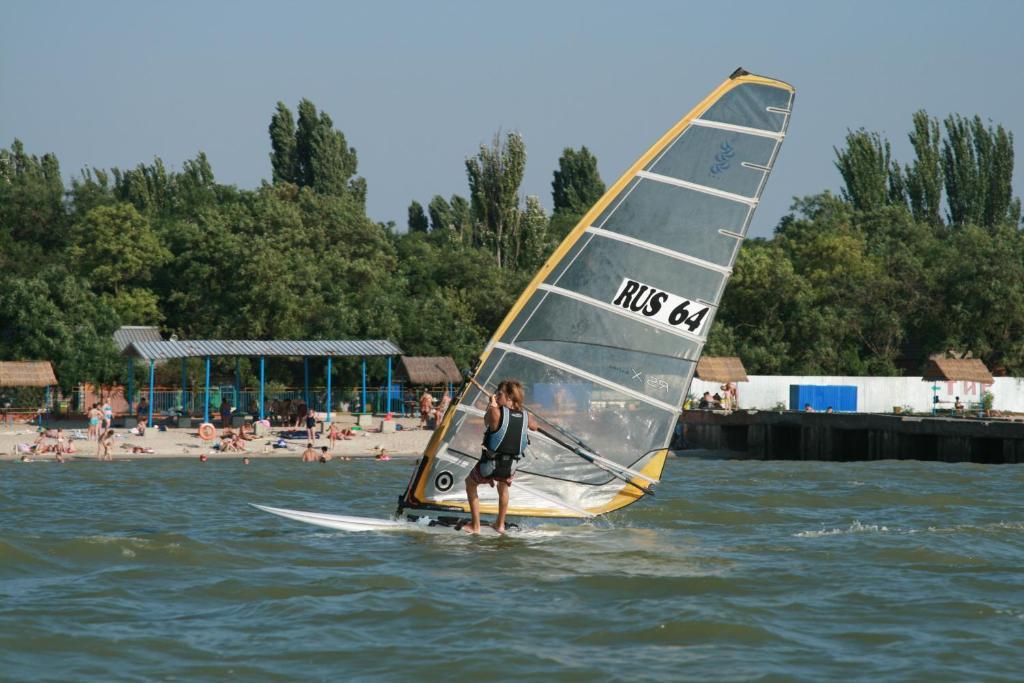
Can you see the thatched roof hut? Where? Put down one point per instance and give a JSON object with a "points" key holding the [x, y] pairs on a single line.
{"points": [[431, 370], [721, 369], [27, 373], [956, 370]]}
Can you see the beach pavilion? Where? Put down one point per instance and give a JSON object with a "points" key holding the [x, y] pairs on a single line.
{"points": [[955, 370], [28, 373], [155, 351]]}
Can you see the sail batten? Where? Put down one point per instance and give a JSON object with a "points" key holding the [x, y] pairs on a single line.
{"points": [[606, 336], [668, 180], [679, 256], [746, 130]]}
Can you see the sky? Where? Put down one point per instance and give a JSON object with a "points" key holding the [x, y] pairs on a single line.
{"points": [[417, 87]]}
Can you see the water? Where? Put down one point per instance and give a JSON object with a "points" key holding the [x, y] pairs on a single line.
{"points": [[740, 570]]}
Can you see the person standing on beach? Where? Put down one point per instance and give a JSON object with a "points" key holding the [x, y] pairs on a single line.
{"points": [[225, 413], [103, 445], [94, 415], [108, 415], [426, 407], [505, 440], [310, 424]]}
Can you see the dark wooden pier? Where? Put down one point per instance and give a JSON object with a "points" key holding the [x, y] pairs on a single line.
{"points": [[843, 437]]}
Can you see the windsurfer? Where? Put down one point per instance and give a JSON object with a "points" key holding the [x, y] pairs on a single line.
{"points": [[505, 441]]}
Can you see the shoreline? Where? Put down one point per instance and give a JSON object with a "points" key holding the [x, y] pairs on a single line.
{"points": [[183, 443]]}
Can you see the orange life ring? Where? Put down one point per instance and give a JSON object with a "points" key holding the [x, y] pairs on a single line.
{"points": [[207, 432]]}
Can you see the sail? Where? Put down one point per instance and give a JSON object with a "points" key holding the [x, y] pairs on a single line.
{"points": [[606, 337]]}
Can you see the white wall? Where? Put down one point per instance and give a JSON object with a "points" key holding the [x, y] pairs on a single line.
{"points": [[874, 394]]}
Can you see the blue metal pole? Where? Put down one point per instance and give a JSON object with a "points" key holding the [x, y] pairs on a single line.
{"points": [[184, 385], [238, 384], [261, 385], [328, 388], [389, 386], [305, 381], [152, 372], [364, 386], [206, 402], [131, 392], [46, 404]]}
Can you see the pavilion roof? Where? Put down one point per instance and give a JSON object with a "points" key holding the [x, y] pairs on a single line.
{"points": [[162, 350]]}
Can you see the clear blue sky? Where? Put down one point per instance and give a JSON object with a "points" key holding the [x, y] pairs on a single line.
{"points": [[418, 86]]}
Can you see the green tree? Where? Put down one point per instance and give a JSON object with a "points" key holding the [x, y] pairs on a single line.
{"points": [[871, 178], [440, 211], [576, 187], [978, 168], [283, 160], [924, 178], [31, 200], [115, 246], [495, 175], [417, 218]]}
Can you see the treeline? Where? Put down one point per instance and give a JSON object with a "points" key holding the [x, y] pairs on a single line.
{"points": [[908, 260], [296, 258]]}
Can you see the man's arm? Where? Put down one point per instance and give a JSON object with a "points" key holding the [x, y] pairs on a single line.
{"points": [[492, 418]]}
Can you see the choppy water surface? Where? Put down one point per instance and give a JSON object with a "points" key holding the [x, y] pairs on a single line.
{"points": [[739, 570]]}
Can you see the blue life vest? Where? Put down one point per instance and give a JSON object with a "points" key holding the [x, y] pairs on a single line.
{"points": [[509, 440]]}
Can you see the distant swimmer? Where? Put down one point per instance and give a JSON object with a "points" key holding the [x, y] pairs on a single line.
{"points": [[203, 457], [324, 455], [310, 454], [245, 460], [505, 441]]}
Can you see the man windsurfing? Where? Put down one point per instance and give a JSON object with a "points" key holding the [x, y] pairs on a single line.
{"points": [[505, 441]]}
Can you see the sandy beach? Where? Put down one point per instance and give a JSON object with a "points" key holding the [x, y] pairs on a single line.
{"points": [[409, 441]]}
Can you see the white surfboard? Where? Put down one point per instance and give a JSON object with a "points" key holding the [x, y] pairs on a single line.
{"points": [[353, 523]]}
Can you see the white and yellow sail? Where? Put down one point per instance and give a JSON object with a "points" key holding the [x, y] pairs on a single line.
{"points": [[606, 336]]}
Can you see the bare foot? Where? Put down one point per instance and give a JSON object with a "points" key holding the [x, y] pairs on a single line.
{"points": [[499, 529], [469, 529]]}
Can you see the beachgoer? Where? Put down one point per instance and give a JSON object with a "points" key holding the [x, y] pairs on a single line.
{"points": [[103, 445], [300, 415], [426, 407], [310, 425], [94, 415], [705, 401], [58, 457], [203, 457], [225, 413], [309, 455], [829, 410], [142, 416], [716, 402], [324, 455], [5, 417], [504, 443], [442, 408], [62, 444], [958, 406], [333, 433], [245, 460], [808, 408], [108, 415]]}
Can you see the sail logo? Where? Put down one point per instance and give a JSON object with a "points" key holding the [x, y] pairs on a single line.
{"points": [[723, 160], [664, 307]]}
